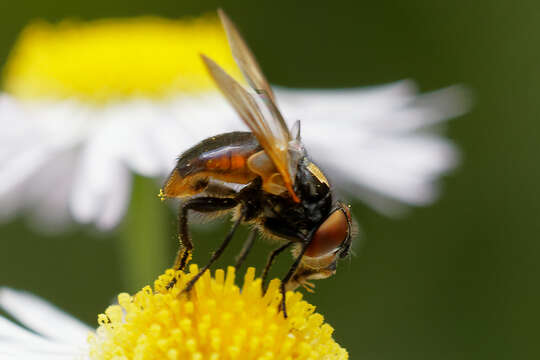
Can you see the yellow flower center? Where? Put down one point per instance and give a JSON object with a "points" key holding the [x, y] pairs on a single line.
{"points": [[105, 60], [216, 320]]}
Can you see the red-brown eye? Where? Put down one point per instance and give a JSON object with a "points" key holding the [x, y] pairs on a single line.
{"points": [[329, 236]]}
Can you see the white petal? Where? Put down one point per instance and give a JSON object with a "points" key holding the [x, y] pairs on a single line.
{"points": [[372, 141], [127, 134], [43, 318], [403, 169], [18, 343], [115, 204], [21, 353], [19, 167], [47, 195], [44, 194], [56, 125], [389, 108], [10, 333], [13, 349], [35, 175], [98, 178], [63, 123]]}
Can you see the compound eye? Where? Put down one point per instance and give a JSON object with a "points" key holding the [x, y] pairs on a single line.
{"points": [[330, 235]]}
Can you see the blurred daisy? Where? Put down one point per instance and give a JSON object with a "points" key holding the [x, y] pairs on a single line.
{"points": [[87, 105], [48, 332], [218, 321]]}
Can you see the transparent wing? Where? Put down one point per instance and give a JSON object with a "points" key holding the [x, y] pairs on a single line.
{"points": [[252, 72], [244, 57], [275, 143]]}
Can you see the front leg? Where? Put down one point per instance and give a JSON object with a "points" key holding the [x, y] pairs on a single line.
{"points": [[289, 275], [283, 230], [270, 261]]}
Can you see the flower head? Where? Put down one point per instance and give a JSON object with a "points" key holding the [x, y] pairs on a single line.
{"points": [[216, 320], [108, 60]]}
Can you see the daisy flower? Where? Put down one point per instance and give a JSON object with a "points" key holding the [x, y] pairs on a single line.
{"points": [[86, 105], [217, 321]]}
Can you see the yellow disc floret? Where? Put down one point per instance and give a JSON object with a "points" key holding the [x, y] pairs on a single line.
{"points": [[107, 60], [216, 320]]}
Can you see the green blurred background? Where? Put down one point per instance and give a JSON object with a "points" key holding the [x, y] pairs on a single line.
{"points": [[455, 280]]}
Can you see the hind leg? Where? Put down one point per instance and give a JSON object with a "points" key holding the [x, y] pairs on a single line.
{"points": [[201, 204]]}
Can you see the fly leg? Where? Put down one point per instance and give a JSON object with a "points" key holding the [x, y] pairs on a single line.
{"points": [[281, 229], [270, 261], [217, 253], [185, 245], [245, 249], [201, 204], [290, 274]]}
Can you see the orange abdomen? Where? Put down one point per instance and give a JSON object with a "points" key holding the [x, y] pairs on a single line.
{"points": [[222, 157], [231, 160]]}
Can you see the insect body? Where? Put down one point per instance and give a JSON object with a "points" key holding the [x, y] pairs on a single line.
{"points": [[265, 177]]}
